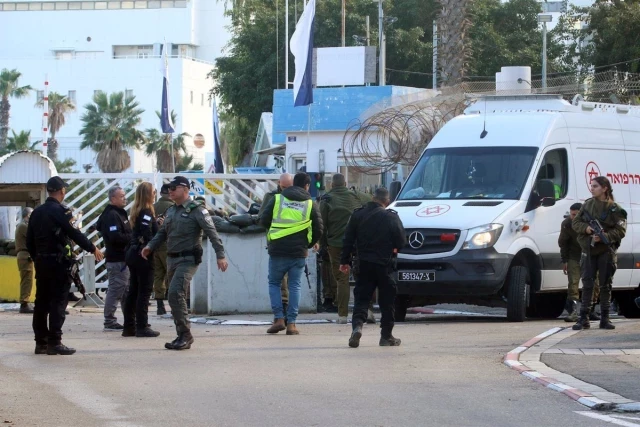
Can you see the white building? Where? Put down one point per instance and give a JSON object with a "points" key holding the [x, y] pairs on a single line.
{"points": [[114, 45]]}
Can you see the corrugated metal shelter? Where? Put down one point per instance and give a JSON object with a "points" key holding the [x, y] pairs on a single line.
{"points": [[23, 176]]}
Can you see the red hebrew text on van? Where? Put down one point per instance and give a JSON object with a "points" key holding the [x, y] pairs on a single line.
{"points": [[592, 170], [433, 210]]}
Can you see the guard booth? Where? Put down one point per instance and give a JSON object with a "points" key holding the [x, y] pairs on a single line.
{"points": [[23, 178]]}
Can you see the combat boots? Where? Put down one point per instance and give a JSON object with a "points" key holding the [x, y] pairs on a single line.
{"points": [[147, 333], [391, 341], [593, 315], [62, 349], [161, 309], [582, 323], [184, 342], [278, 325], [354, 340], [41, 349], [572, 309], [26, 308], [605, 323]]}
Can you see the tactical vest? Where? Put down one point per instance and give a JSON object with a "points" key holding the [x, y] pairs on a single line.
{"points": [[290, 217]]}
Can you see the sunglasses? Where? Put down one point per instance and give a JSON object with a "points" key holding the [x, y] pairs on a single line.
{"points": [[175, 187]]}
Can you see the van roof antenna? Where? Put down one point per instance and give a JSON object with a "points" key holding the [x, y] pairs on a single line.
{"points": [[484, 123]]}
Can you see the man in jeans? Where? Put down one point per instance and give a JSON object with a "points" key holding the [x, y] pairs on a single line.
{"points": [[294, 224], [115, 229]]}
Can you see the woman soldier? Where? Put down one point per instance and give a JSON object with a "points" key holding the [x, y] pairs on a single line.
{"points": [[599, 252], [137, 300]]}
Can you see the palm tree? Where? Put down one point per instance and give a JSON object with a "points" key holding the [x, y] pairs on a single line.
{"points": [[59, 107], [19, 142], [186, 165], [453, 44], [110, 130], [162, 145], [9, 88]]}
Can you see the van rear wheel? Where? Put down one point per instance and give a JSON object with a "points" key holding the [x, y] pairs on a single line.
{"points": [[517, 293]]}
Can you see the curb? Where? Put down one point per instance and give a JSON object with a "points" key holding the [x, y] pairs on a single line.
{"points": [[525, 359]]}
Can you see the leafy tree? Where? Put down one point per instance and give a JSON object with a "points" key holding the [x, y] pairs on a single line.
{"points": [[9, 88], [19, 142], [163, 145], [59, 107], [110, 130], [65, 166], [610, 35], [237, 137]]}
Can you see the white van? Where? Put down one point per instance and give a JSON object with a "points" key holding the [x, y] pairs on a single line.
{"points": [[483, 205]]}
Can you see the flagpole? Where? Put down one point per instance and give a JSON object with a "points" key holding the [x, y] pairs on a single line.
{"points": [[286, 44], [308, 125], [173, 159]]}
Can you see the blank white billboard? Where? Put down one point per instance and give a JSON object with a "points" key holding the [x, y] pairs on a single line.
{"points": [[341, 66]]}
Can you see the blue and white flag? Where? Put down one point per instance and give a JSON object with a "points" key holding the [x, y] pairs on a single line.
{"points": [[302, 50], [165, 113], [218, 165]]}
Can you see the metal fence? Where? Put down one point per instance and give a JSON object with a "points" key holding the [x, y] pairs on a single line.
{"points": [[87, 196]]}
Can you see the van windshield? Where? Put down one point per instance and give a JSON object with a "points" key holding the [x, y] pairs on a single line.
{"points": [[470, 173]]}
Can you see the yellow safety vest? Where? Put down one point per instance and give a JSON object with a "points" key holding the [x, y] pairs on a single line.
{"points": [[290, 217]]}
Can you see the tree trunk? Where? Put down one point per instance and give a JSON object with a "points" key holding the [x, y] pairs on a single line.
{"points": [[453, 46], [5, 107], [52, 149]]}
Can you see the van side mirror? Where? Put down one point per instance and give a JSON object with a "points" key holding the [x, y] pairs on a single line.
{"points": [[547, 192], [394, 190]]}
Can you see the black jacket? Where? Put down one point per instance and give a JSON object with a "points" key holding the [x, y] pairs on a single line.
{"points": [[375, 232], [115, 229], [143, 231], [296, 245], [45, 220]]}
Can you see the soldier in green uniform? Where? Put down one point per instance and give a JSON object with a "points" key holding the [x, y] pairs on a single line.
{"points": [[599, 252], [182, 230], [570, 253], [25, 263], [336, 208], [160, 254]]}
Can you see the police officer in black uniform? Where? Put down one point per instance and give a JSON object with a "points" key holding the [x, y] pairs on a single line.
{"points": [[377, 234], [49, 243]]}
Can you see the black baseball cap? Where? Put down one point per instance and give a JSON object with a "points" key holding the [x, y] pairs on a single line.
{"points": [[164, 189], [180, 181], [56, 184]]}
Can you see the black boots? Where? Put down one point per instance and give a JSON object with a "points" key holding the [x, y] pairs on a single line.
{"points": [[41, 349], [593, 315], [391, 341], [354, 340], [26, 308], [328, 307], [147, 333], [59, 349], [605, 323], [182, 342], [161, 309]]}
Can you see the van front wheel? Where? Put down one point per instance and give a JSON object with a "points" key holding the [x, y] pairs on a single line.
{"points": [[517, 293]]}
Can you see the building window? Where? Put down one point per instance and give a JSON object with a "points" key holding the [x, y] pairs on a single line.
{"points": [[128, 93], [141, 4], [88, 5], [191, 97], [74, 5], [64, 55], [72, 97], [48, 6], [127, 4], [113, 5], [35, 6], [9, 6], [22, 6], [166, 4], [62, 6], [39, 96], [154, 4], [180, 3], [101, 5]]}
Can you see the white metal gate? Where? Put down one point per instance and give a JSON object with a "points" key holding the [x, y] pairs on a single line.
{"points": [[87, 196]]}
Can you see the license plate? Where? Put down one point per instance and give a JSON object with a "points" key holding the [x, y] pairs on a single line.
{"points": [[417, 276]]}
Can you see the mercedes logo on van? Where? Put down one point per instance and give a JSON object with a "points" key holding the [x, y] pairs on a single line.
{"points": [[416, 240], [591, 171]]}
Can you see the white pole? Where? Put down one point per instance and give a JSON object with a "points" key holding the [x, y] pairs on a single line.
{"points": [[344, 22], [286, 44], [435, 54], [381, 76], [544, 56], [45, 115], [308, 125], [368, 32], [173, 159]]}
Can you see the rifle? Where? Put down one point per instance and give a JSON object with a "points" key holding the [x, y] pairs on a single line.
{"points": [[598, 230], [74, 273], [307, 274]]}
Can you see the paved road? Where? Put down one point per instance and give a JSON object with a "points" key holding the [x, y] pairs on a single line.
{"points": [[447, 372]]}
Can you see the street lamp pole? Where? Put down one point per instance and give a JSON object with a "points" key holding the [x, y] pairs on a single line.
{"points": [[381, 46], [542, 18]]}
